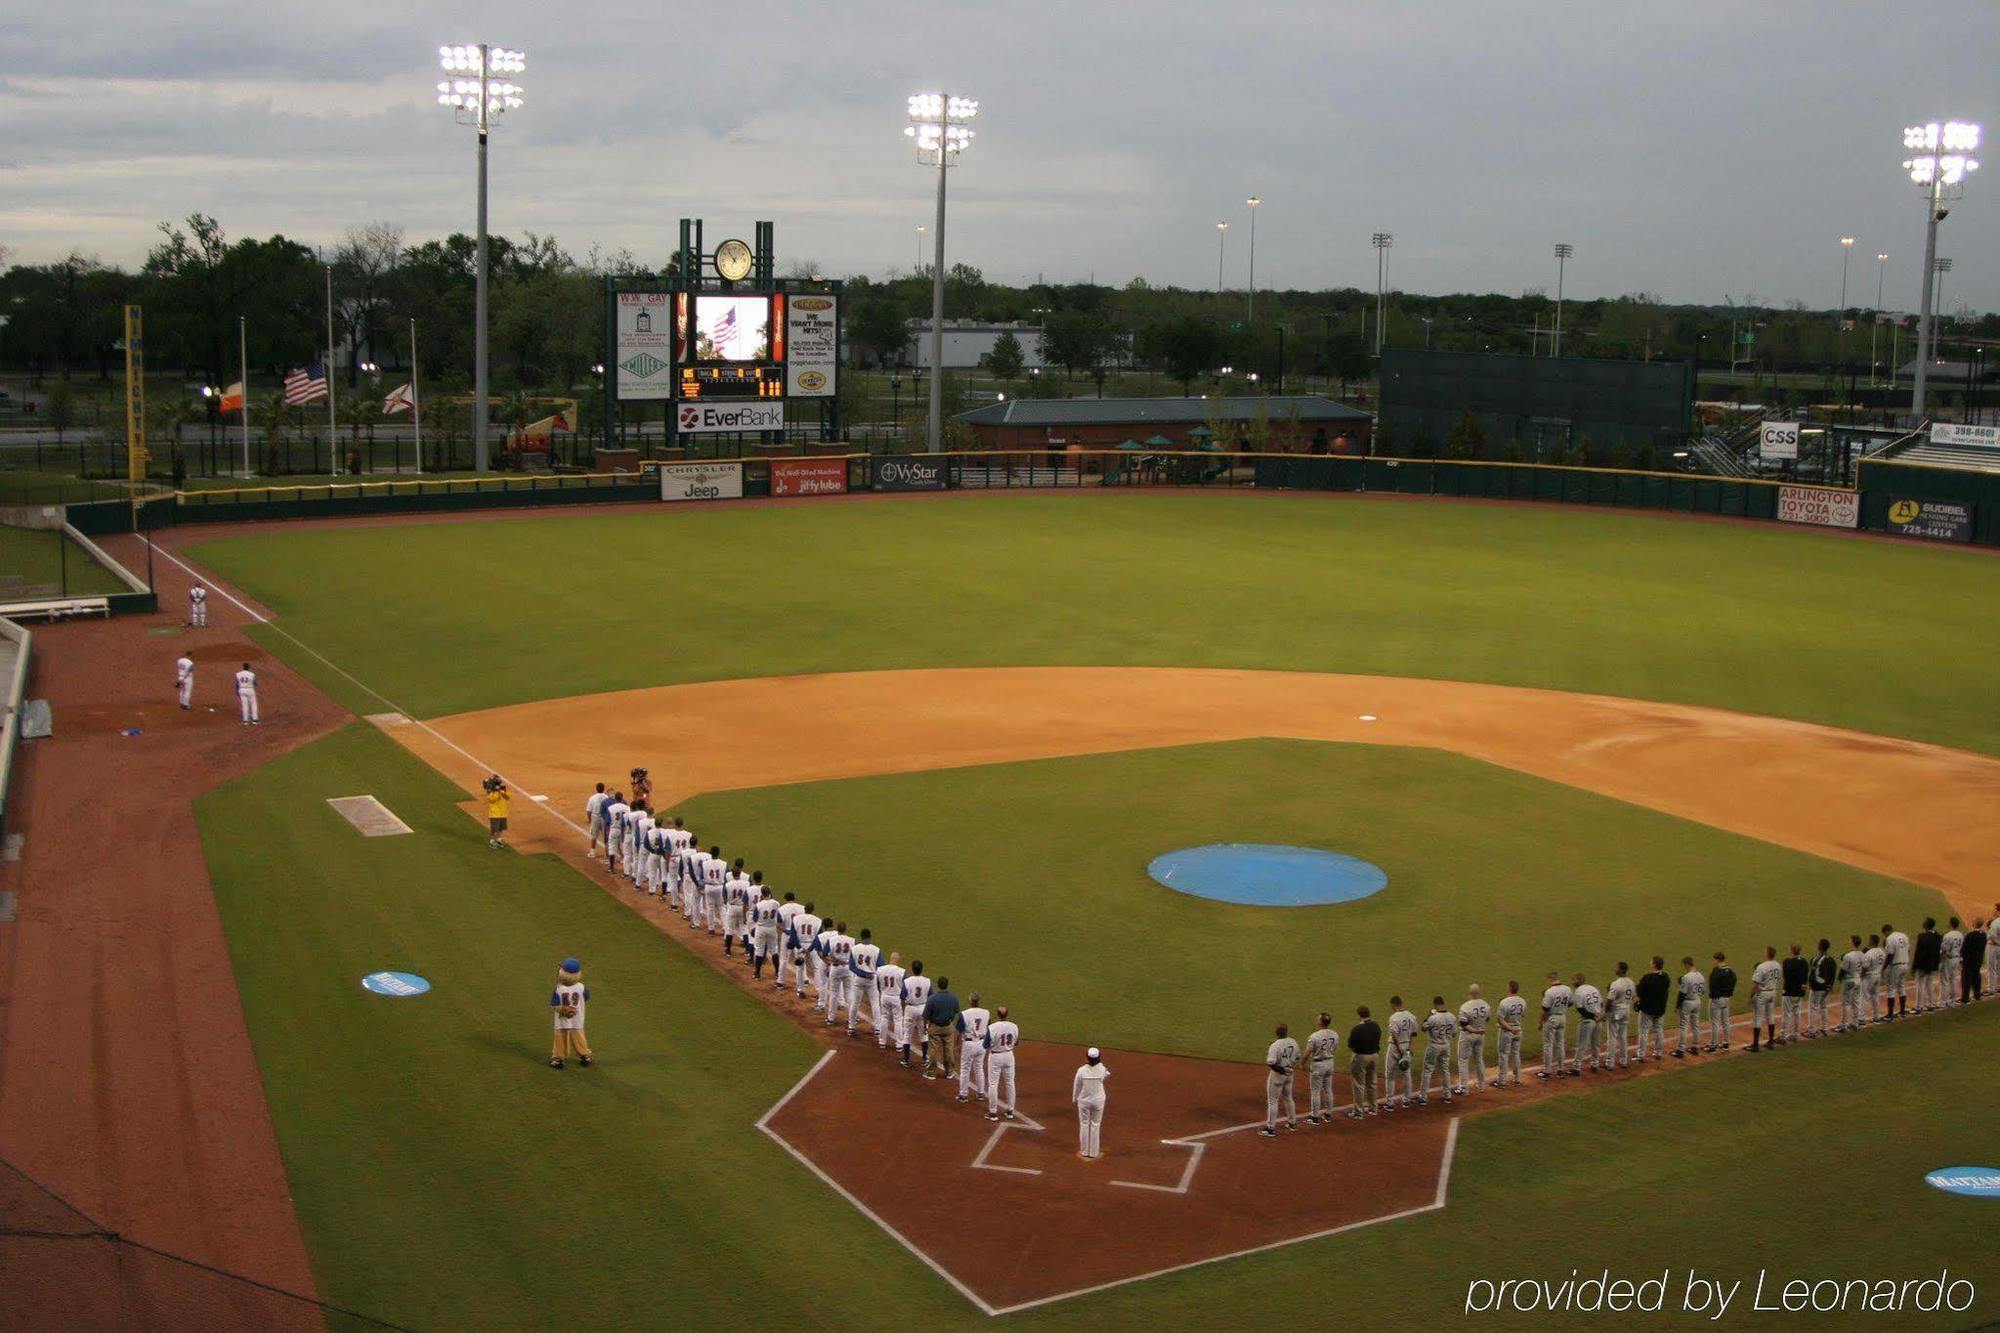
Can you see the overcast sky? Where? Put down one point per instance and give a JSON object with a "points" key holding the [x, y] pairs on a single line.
{"points": [[1692, 149]]}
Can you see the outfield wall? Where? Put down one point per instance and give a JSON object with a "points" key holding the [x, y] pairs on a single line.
{"points": [[1950, 504], [16, 644]]}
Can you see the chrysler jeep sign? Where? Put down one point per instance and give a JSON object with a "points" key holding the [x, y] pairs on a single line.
{"points": [[912, 473], [709, 418], [701, 481]]}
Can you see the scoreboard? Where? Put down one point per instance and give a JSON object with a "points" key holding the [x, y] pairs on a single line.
{"points": [[730, 382]]}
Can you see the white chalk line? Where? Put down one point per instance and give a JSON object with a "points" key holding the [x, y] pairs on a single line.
{"points": [[980, 1163]]}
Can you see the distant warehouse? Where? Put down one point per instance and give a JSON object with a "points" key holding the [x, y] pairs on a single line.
{"points": [[1298, 423]]}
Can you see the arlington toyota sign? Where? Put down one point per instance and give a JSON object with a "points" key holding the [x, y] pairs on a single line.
{"points": [[709, 418]]}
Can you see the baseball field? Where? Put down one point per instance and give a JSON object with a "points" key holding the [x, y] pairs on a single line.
{"points": [[1566, 737]]}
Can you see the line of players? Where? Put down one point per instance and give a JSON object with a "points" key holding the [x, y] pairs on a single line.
{"points": [[1791, 1000], [849, 976]]}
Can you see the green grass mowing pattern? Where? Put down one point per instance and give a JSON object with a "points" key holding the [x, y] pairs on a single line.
{"points": [[1881, 637], [1027, 882], [444, 1176], [52, 565]]}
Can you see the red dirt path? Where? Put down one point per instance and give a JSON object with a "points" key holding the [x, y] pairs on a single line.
{"points": [[127, 1080]]}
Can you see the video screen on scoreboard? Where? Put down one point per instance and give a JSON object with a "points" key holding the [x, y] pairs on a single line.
{"points": [[732, 328]]}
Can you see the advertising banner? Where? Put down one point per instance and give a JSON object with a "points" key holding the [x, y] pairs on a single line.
{"points": [[710, 418], [701, 481], [1939, 520], [1828, 509], [1779, 439], [913, 472], [1981, 437], [643, 355], [811, 346], [808, 476]]}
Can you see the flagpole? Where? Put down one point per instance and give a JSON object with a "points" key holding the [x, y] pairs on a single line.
{"points": [[243, 368], [332, 425], [416, 398]]}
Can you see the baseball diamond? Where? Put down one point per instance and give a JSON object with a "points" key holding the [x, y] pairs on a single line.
{"points": [[863, 828]]}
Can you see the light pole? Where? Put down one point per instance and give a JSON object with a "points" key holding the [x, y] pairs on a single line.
{"points": [[1942, 266], [478, 100], [921, 229], [1875, 322], [1381, 240], [1221, 249], [938, 124], [1563, 253], [1250, 308], [1840, 315], [1941, 158]]}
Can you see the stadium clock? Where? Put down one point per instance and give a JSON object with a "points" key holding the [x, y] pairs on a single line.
{"points": [[733, 260]]}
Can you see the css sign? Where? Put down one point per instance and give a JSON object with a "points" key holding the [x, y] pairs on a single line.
{"points": [[1779, 439]]}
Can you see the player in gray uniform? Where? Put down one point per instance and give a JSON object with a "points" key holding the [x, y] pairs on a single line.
{"points": [[1619, 1001], [1874, 959], [1993, 952], [1692, 1000], [1399, 1067], [1441, 1034], [1555, 1028], [1895, 972], [1951, 953], [1280, 1060], [1513, 1016], [1321, 1047], [1765, 981], [1472, 1019], [1588, 1002], [1853, 987]]}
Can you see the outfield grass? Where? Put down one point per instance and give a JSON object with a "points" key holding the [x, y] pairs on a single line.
{"points": [[446, 1178], [1882, 637], [51, 565], [1028, 883]]}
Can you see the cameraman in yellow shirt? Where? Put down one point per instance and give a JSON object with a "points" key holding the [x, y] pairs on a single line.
{"points": [[496, 810]]}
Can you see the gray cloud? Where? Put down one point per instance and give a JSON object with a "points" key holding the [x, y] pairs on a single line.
{"points": [[1693, 150]]}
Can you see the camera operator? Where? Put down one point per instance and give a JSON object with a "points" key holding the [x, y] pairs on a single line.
{"points": [[496, 810]]}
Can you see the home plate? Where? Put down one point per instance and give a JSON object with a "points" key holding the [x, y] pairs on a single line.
{"points": [[368, 815], [1369, 717], [387, 720]]}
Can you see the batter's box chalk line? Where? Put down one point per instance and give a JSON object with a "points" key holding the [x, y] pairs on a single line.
{"points": [[1192, 1141]]}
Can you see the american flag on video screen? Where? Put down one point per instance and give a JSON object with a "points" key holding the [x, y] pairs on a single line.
{"points": [[305, 386], [723, 335]]}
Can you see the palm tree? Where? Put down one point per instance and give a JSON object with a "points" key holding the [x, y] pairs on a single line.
{"points": [[354, 412], [274, 419]]}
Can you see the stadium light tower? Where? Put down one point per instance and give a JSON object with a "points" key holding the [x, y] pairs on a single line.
{"points": [[1563, 253], [1250, 309], [938, 125], [478, 97], [1940, 160], [1875, 322], [1381, 240], [1846, 253], [1221, 249]]}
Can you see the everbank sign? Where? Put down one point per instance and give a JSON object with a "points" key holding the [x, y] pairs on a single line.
{"points": [[709, 418]]}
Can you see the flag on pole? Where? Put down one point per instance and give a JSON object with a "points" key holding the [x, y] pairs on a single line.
{"points": [[307, 385], [399, 400], [232, 397]]}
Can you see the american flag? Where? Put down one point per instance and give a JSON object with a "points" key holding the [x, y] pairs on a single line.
{"points": [[305, 386]]}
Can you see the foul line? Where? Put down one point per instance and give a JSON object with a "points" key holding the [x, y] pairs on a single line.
{"points": [[764, 1124], [209, 582]]}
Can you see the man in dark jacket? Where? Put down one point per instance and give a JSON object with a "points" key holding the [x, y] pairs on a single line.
{"points": [[1364, 1048], [1972, 964], [1924, 962], [1819, 988], [1797, 974], [1653, 988], [1721, 995]]}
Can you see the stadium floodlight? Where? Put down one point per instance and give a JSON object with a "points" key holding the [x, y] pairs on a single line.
{"points": [[1846, 253], [478, 98], [1250, 307], [1940, 160], [939, 129], [1875, 322], [1563, 253], [1221, 251], [1381, 240]]}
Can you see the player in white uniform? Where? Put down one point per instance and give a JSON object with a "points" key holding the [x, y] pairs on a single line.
{"points": [[1001, 1039], [714, 875], [916, 994], [1895, 972], [836, 950], [862, 962], [1321, 1047], [1765, 980], [1441, 1033], [802, 944], [1874, 959], [1555, 1028], [246, 696], [1694, 991], [1513, 1016], [1588, 1001], [734, 926], [593, 818], [1472, 1019], [1086, 1089], [972, 1024], [197, 606], [785, 965], [614, 829], [764, 931], [888, 1002], [1993, 952], [1620, 1000], [1399, 1066], [1280, 1060], [184, 678], [1951, 956], [642, 846], [1853, 987]]}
